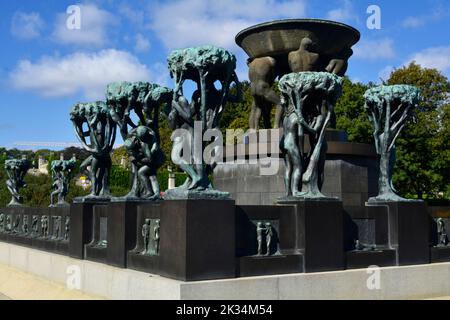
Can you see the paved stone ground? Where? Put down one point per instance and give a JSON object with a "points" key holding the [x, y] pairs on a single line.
{"points": [[3, 297], [18, 285]]}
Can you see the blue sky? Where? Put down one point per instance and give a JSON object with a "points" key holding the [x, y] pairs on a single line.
{"points": [[45, 68]]}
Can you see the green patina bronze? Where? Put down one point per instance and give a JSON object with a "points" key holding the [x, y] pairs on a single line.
{"points": [[98, 139], [204, 65], [62, 171], [308, 99], [141, 139], [388, 109], [16, 169]]}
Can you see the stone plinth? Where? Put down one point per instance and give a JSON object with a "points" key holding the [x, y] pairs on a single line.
{"points": [[351, 172]]}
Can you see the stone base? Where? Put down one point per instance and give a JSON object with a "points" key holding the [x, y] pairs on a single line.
{"points": [[96, 253], [365, 259], [408, 282], [270, 265], [136, 260], [54, 242], [92, 199], [197, 239], [120, 233], [184, 194], [351, 172], [320, 234], [408, 231], [440, 254]]}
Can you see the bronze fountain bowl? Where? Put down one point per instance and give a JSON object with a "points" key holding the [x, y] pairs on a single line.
{"points": [[280, 37]]}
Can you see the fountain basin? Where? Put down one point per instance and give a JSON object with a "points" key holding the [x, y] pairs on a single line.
{"points": [[280, 37]]}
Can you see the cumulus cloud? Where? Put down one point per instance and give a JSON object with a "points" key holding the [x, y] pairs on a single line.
{"points": [[142, 43], [78, 72], [94, 26], [182, 23], [413, 22], [375, 49], [343, 14], [439, 12], [26, 25], [437, 58]]}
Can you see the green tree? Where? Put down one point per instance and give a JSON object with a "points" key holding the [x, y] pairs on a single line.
{"points": [[423, 149], [350, 114]]}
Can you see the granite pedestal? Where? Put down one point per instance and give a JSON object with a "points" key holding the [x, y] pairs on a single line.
{"points": [[81, 218], [283, 257], [54, 241], [138, 259], [197, 239], [320, 235], [114, 232], [351, 171], [408, 230]]}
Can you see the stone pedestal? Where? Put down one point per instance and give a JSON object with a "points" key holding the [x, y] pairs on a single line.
{"points": [[408, 230], [138, 259], [54, 241], [351, 171], [320, 235], [197, 239], [283, 257], [81, 217], [114, 233], [440, 254]]}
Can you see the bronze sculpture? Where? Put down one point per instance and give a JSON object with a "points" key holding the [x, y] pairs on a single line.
{"points": [[16, 171], [293, 45], [388, 109], [308, 100], [141, 139], [62, 171], [203, 65], [101, 131]]}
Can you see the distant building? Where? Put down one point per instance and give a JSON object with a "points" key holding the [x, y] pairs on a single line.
{"points": [[42, 167]]}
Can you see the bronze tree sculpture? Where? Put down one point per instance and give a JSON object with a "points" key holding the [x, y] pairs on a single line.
{"points": [[388, 109], [98, 140]]}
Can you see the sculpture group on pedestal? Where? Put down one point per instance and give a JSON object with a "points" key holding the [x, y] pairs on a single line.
{"points": [[141, 140], [16, 171], [388, 109], [62, 171], [308, 99], [98, 140], [264, 70], [203, 65]]}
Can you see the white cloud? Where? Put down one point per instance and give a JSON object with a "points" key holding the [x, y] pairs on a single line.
{"points": [[437, 57], [413, 22], [142, 43], [78, 72], [374, 49], [195, 22], [438, 13], [95, 24], [342, 14], [26, 25]]}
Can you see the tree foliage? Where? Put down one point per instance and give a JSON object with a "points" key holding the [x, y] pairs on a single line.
{"points": [[350, 114], [423, 149]]}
